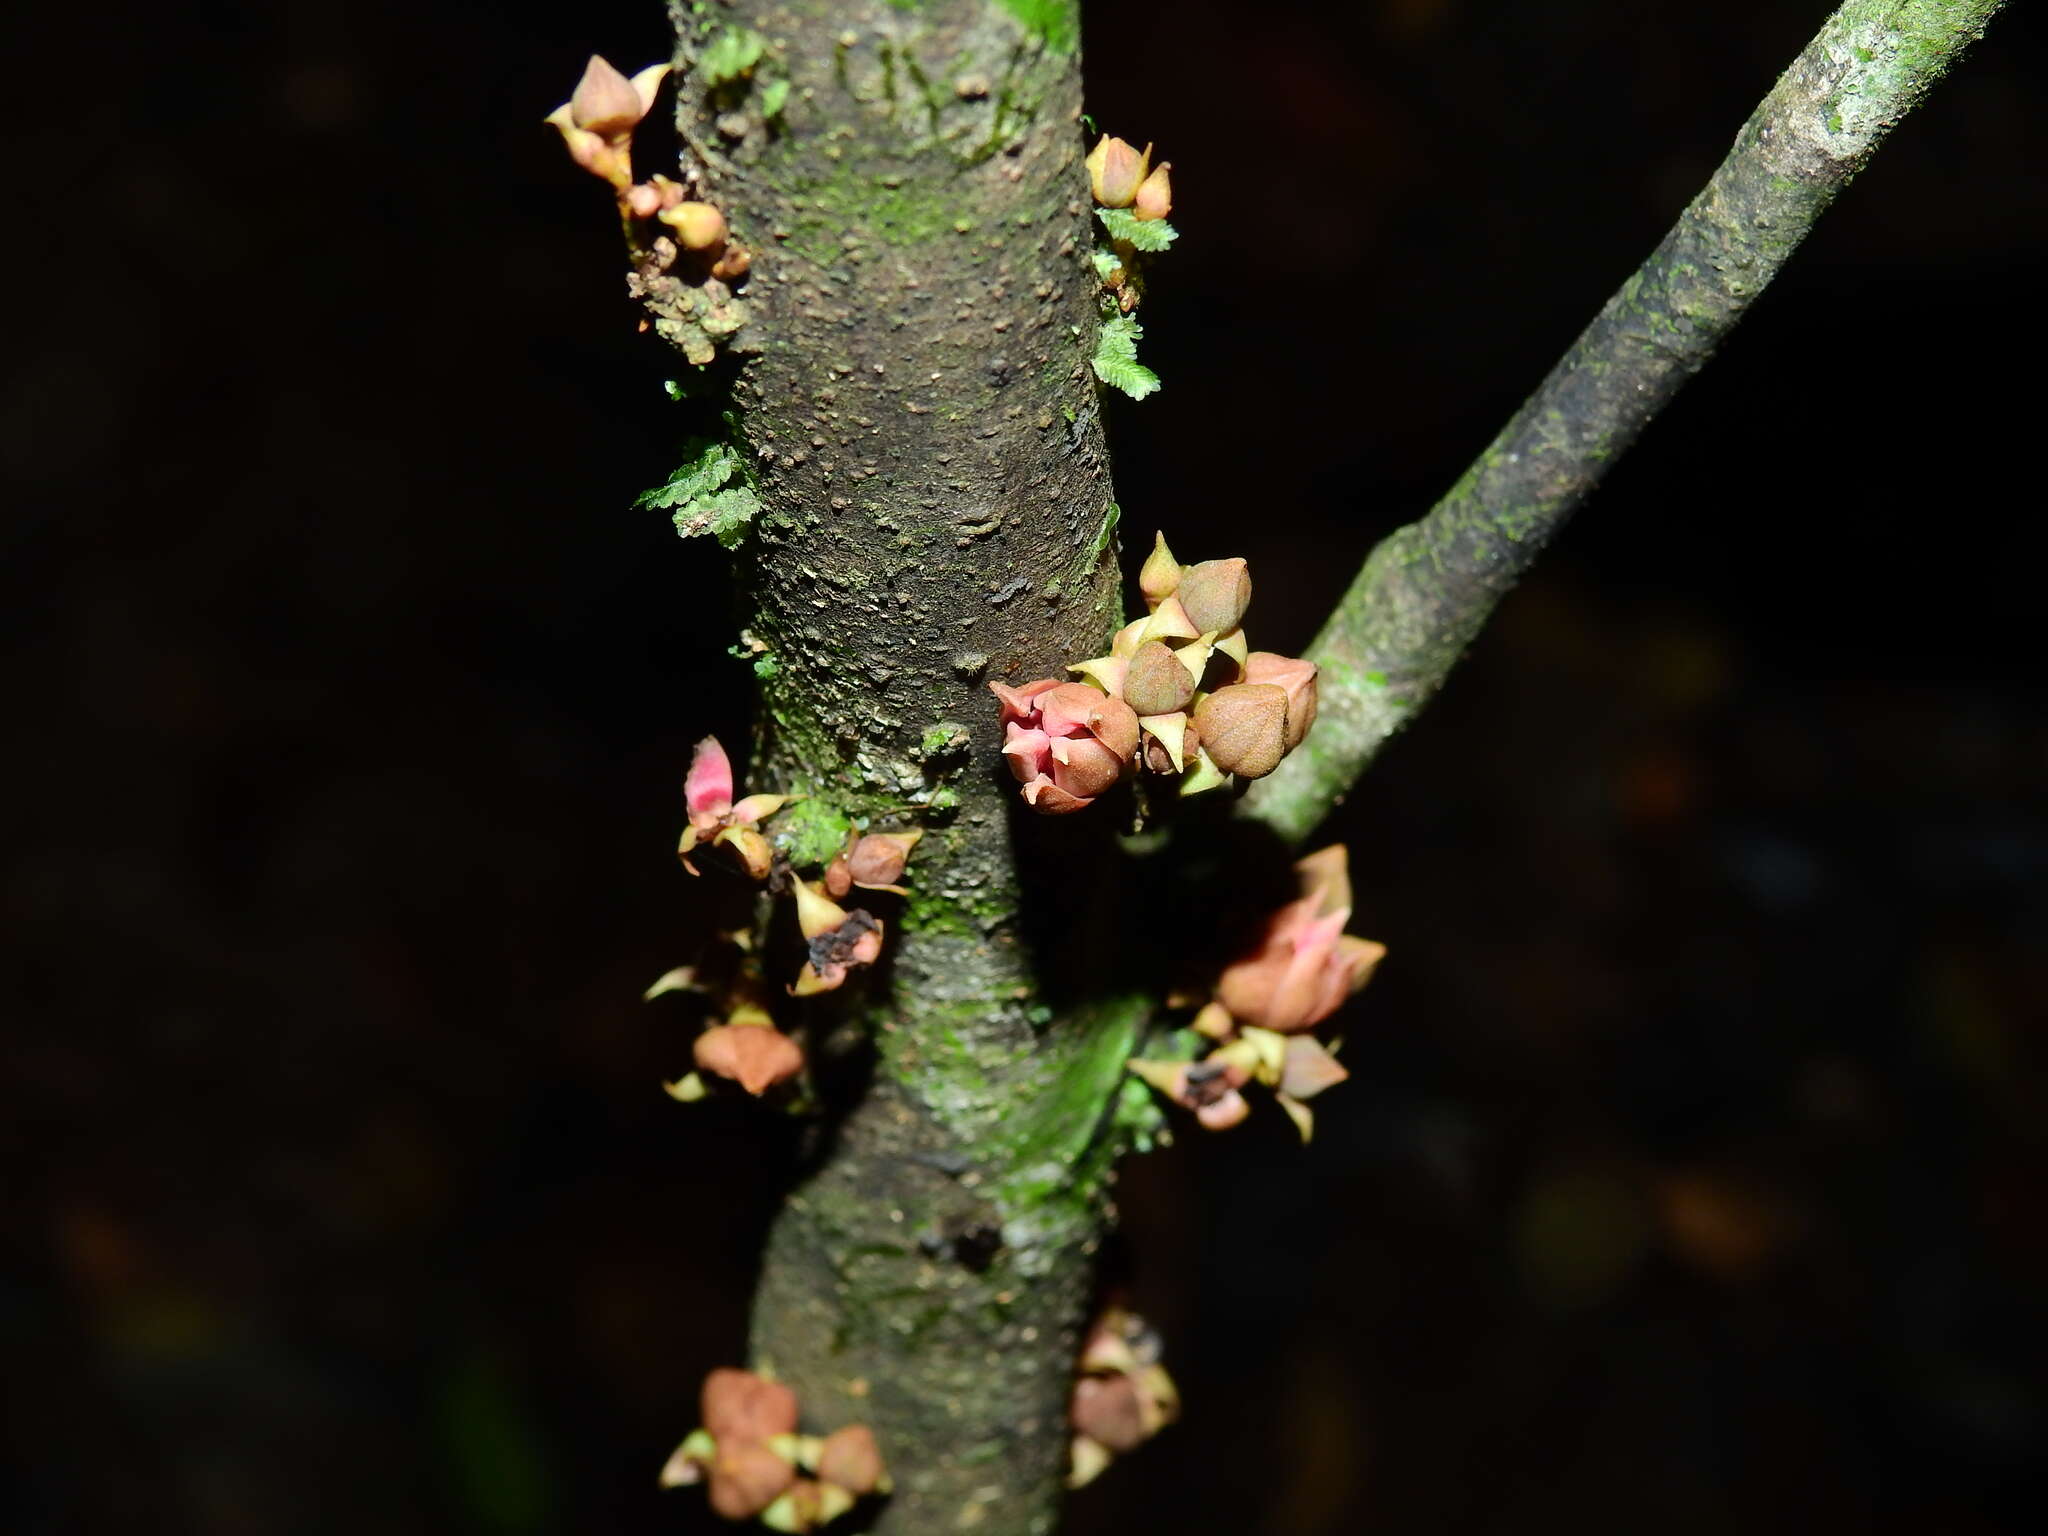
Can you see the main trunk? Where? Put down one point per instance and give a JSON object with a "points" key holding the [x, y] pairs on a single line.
{"points": [[936, 513]]}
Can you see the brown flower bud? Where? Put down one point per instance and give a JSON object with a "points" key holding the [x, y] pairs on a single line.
{"points": [[849, 1459], [1160, 573], [746, 1477], [1109, 1411], [739, 1405], [1115, 725], [605, 101], [733, 265], [838, 877], [1244, 728], [1155, 193], [877, 860], [1215, 594], [698, 226], [1297, 678], [1115, 170], [1083, 766], [1155, 683]]}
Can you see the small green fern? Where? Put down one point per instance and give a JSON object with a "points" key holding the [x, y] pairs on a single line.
{"points": [[1139, 234], [701, 499], [1116, 358]]}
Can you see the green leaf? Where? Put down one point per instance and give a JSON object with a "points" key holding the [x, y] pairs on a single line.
{"points": [[1140, 234], [1116, 358], [700, 497], [774, 95], [733, 53], [1106, 263]]}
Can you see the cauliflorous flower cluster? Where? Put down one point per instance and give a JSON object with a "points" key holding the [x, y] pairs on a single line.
{"points": [[1122, 1395], [1266, 1003], [597, 123], [1180, 693], [754, 1463], [1123, 177], [741, 1043]]}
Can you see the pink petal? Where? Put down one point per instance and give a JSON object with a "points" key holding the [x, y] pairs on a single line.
{"points": [[707, 788], [1063, 710], [1018, 702], [1029, 752]]}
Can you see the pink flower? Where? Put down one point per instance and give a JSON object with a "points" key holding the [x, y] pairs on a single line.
{"points": [[1306, 965], [1066, 742], [715, 819]]}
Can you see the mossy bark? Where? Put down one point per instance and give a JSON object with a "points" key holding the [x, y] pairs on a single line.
{"points": [[924, 436], [1426, 591]]}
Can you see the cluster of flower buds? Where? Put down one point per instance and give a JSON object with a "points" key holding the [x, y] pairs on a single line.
{"points": [[597, 124], [754, 1463], [1180, 692], [744, 1046], [1122, 1395], [1123, 177], [1266, 1003]]}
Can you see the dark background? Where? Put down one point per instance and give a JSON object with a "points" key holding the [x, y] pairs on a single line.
{"points": [[1692, 1174]]}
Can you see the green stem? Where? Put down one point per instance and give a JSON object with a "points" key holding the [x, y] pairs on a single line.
{"points": [[1425, 592]]}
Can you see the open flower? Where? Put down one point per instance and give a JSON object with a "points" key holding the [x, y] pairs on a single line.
{"points": [[1210, 1088], [840, 941], [1067, 742], [597, 122], [1306, 964], [716, 819]]}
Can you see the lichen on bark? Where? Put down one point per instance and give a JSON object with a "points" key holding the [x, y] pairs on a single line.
{"points": [[925, 442]]}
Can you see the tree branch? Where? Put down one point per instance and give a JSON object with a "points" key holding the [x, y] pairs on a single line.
{"points": [[1427, 589]]}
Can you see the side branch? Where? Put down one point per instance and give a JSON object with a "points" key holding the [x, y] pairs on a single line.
{"points": [[1427, 589]]}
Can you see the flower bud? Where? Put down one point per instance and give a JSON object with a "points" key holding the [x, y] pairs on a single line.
{"points": [[838, 877], [1155, 682], [849, 1459], [1083, 766], [1115, 725], [1109, 1411], [755, 1058], [698, 226], [1160, 573], [739, 1405], [1297, 678], [1115, 171], [733, 265], [877, 860], [746, 1477], [1155, 193], [643, 201], [1222, 1113], [605, 101], [1244, 728], [1215, 594]]}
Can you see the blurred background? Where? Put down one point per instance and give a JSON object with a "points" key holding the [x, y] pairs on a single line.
{"points": [[1692, 1174]]}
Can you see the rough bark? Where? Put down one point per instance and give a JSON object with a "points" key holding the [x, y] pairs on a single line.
{"points": [[936, 512], [1426, 591]]}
